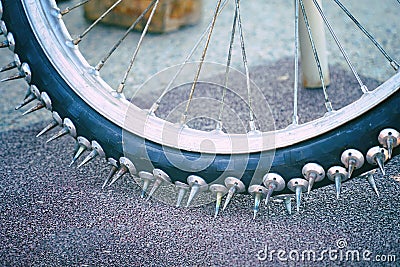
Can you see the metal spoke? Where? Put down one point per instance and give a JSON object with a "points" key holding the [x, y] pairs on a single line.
{"points": [[119, 42], [79, 38], [296, 63], [328, 104], [364, 88], [121, 86], [155, 106], [196, 78], [69, 9], [392, 62], [251, 115], [228, 64]]}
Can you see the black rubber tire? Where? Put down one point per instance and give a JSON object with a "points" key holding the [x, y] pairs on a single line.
{"points": [[360, 133]]}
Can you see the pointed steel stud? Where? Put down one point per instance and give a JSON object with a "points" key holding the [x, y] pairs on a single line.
{"points": [[97, 151], [274, 183], [12, 65], [337, 174], [56, 121], [234, 186], [25, 72], [219, 191], [378, 156], [31, 94], [3, 28], [369, 176], [286, 200], [68, 128], [182, 190], [389, 138], [160, 178], [352, 160], [83, 145], [147, 178], [45, 102], [114, 168], [313, 173], [10, 42], [197, 185], [258, 192], [125, 166], [298, 185]]}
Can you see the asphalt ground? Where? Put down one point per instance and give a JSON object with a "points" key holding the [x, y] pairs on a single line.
{"points": [[53, 215]]}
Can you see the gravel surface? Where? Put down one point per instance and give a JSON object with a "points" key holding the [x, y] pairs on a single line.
{"points": [[52, 215]]}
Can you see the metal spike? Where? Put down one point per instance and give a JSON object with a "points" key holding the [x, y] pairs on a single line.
{"points": [[34, 108], [114, 169], [4, 44], [313, 172], [258, 192], [9, 66], [3, 27], [147, 178], [56, 121], [337, 174], [182, 189], [352, 159], [121, 171], [13, 77], [389, 138], [377, 156], [298, 185], [197, 185], [26, 101], [234, 186], [83, 145], [126, 166], [61, 133], [371, 181], [160, 177], [287, 201], [97, 150], [219, 191], [274, 182]]}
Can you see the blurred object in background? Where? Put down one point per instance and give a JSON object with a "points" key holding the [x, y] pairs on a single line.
{"points": [[170, 14]]}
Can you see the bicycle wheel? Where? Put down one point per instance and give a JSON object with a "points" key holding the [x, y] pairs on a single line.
{"points": [[175, 156]]}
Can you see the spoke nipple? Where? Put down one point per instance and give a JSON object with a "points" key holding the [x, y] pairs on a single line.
{"points": [[378, 156], [197, 185], [234, 186], [147, 178], [298, 185], [389, 138], [219, 191], [258, 192], [114, 169], [273, 182], [182, 190], [352, 160], [313, 173], [160, 178], [77, 40], [337, 174], [394, 65]]}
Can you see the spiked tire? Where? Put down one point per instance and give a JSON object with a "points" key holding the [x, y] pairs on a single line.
{"points": [[82, 121]]}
